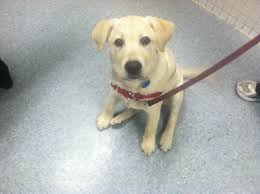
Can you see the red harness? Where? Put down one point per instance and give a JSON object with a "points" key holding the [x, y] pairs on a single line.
{"points": [[135, 96]]}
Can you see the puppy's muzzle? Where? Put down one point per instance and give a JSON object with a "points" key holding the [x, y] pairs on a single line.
{"points": [[133, 69]]}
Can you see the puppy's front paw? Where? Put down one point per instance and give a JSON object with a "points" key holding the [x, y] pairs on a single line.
{"points": [[148, 145], [103, 121], [165, 142]]}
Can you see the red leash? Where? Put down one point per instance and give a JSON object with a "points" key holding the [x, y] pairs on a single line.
{"points": [[209, 71]]}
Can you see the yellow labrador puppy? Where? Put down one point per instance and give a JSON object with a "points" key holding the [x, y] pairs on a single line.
{"points": [[142, 68]]}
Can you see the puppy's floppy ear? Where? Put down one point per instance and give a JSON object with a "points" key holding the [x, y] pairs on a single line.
{"points": [[163, 30], [101, 32]]}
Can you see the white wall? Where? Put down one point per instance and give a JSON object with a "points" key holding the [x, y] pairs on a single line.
{"points": [[244, 15]]}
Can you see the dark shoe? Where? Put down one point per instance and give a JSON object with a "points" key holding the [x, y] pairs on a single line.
{"points": [[5, 78]]}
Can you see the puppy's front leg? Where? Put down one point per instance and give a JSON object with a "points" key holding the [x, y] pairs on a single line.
{"points": [[166, 139], [148, 143], [104, 119]]}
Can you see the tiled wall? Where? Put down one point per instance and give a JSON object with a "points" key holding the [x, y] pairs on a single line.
{"points": [[244, 15]]}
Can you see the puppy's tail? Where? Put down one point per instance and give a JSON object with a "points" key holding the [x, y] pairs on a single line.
{"points": [[191, 72]]}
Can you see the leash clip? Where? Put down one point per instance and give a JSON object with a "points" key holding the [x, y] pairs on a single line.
{"points": [[134, 99]]}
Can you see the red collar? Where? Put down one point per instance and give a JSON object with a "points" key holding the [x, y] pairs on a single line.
{"points": [[135, 96]]}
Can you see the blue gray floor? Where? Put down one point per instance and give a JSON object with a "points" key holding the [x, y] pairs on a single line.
{"points": [[48, 138]]}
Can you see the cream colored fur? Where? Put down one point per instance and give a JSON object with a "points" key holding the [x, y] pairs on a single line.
{"points": [[158, 65]]}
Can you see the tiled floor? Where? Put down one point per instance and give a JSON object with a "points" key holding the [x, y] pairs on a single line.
{"points": [[48, 138]]}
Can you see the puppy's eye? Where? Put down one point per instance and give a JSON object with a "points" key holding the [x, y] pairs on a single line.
{"points": [[145, 40], [119, 42]]}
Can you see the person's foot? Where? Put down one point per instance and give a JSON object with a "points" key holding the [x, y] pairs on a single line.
{"points": [[247, 90]]}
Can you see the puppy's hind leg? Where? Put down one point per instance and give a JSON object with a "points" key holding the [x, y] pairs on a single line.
{"points": [[166, 139], [127, 114], [104, 119]]}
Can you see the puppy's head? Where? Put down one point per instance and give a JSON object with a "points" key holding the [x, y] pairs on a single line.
{"points": [[134, 43]]}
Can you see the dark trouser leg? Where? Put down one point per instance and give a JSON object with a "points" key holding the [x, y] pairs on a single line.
{"points": [[5, 78], [257, 89]]}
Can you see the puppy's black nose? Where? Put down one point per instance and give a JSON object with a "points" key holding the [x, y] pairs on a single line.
{"points": [[133, 67]]}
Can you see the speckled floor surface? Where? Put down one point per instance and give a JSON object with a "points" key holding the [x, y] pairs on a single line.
{"points": [[48, 138]]}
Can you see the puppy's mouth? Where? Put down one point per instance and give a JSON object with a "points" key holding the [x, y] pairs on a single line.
{"points": [[133, 77], [129, 77]]}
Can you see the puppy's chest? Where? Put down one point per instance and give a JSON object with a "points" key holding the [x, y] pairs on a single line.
{"points": [[139, 105]]}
